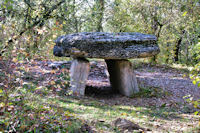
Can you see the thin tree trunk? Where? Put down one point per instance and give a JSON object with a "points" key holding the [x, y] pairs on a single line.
{"points": [[74, 17], [177, 48], [101, 13], [156, 27], [187, 48]]}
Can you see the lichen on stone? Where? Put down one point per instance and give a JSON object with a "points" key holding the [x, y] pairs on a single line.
{"points": [[104, 45]]}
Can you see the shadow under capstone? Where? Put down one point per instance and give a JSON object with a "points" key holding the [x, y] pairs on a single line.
{"points": [[101, 91]]}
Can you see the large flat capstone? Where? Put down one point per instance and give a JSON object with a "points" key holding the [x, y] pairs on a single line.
{"points": [[106, 45]]}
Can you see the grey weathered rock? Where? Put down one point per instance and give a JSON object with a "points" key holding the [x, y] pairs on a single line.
{"points": [[106, 45], [124, 124], [115, 48], [122, 77], [79, 72], [59, 64]]}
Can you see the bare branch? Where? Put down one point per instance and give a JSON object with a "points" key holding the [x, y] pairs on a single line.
{"points": [[40, 20]]}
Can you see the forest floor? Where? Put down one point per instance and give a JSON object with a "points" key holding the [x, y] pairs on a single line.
{"points": [[159, 107]]}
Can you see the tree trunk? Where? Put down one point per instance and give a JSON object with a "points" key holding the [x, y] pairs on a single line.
{"points": [[168, 54], [74, 17], [156, 27], [100, 16], [177, 48]]}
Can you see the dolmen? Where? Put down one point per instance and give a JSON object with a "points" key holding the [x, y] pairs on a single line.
{"points": [[114, 48]]}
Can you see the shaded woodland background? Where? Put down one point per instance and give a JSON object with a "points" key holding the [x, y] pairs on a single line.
{"points": [[30, 27]]}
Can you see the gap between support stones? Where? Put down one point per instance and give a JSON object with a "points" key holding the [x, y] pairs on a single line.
{"points": [[79, 72], [122, 76]]}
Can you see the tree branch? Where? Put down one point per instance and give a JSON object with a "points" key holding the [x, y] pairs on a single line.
{"points": [[39, 21]]}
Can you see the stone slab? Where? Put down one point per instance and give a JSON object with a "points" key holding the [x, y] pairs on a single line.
{"points": [[79, 72], [106, 45], [122, 77]]}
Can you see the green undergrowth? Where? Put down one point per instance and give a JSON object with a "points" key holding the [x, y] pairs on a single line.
{"points": [[141, 63], [149, 92], [29, 111], [36, 107]]}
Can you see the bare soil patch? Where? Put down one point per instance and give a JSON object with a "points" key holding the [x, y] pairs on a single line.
{"points": [[171, 82]]}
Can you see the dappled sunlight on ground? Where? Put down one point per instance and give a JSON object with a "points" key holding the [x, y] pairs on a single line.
{"points": [[159, 107]]}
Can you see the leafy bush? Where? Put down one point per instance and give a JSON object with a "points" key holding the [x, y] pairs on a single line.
{"points": [[195, 76], [149, 92]]}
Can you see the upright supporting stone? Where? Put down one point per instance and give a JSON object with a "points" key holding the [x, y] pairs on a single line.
{"points": [[79, 72], [122, 76]]}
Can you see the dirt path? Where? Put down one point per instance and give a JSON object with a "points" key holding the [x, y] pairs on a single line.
{"points": [[161, 78]]}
